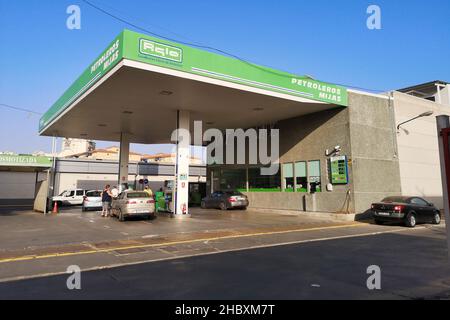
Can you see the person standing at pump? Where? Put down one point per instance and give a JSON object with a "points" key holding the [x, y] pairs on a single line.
{"points": [[106, 201], [115, 192], [148, 191]]}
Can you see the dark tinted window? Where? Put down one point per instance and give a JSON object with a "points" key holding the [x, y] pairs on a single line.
{"points": [[137, 195], [395, 199], [94, 194], [419, 202], [233, 193], [80, 192]]}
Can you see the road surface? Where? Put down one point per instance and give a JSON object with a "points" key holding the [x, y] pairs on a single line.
{"points": [[413, 265]]}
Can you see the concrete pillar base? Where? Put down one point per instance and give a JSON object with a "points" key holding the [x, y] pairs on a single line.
{"points": [[180, 216]]}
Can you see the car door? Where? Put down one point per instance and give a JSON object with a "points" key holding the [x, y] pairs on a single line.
{"points": [[422, 208], [79, 194], [70, 197], [428, 210], [214, 200], [116, 203], [211, 199], [218, 199]]}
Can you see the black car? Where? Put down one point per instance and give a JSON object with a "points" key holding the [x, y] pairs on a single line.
{"points": [[408, 210], [225, 200]]}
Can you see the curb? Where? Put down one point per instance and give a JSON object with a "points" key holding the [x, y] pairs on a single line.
{"points": [[324, 215]]}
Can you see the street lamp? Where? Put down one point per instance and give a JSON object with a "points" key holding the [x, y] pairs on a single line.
{"points": [[425, 114]]}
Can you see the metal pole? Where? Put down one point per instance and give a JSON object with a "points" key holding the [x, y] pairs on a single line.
{"points": [[51, 177], [443, 122]]}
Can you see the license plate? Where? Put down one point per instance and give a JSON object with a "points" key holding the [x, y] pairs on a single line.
{"points": [[385, 214]]}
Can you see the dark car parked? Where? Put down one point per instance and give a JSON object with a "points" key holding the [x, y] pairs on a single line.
{"points": [[225, 200], [408, 210]]}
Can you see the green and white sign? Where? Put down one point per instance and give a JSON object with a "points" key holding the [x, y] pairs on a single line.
{"points": [[138, 47], [339, 170], [160, 50], [24, 161]]}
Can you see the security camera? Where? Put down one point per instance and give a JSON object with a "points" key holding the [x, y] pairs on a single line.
{"points": [[335, 151]]}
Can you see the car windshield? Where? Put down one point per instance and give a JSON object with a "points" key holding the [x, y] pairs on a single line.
{"points": [[395, 199], [137, 195]]}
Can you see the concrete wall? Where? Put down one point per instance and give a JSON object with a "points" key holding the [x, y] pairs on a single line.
{"points": [[334, 202], [65, 181], [375, 167], [307, 138], [418, 147]]}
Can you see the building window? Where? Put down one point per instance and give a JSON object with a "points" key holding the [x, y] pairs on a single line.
{"points": [[261, 183], [314, 174], [288, 176], [233, 179], [301, 177]]}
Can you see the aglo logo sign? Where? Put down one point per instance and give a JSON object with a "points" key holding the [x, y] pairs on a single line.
{"points": [[159, 50]]}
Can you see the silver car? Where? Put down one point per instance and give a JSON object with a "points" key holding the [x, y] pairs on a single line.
{"points": [[133, 204], [92, 200]]}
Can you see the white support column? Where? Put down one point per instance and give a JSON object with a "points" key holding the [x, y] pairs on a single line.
{"points": [[181, 192], [247, 184], [124, 156], [443, 122]]}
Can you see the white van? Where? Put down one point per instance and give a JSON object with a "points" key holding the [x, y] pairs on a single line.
{"points": [[72, 197]]}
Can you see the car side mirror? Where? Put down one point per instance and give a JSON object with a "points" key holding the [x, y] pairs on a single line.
{"points": [[430, 204]]}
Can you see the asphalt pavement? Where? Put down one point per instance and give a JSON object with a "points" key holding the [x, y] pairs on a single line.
{"points": [[413, 265]]}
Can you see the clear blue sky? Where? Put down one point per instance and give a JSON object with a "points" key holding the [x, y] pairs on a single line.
{"points": [[329, 40]]}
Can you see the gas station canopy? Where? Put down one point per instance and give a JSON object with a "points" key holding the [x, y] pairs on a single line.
{"points": [[139, 82]]}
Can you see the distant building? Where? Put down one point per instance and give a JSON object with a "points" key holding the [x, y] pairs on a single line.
{"points": [[71, 147], [111, 153], [41, 154], [437, 91]]}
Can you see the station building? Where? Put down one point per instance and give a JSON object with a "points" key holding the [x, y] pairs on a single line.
{"points": [[339, 149]]}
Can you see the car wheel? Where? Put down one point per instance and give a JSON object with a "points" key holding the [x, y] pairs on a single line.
{"points": [[203, 205], [121, 217], [223, 206], [411, 220], [378, 222], [436, 218]]}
